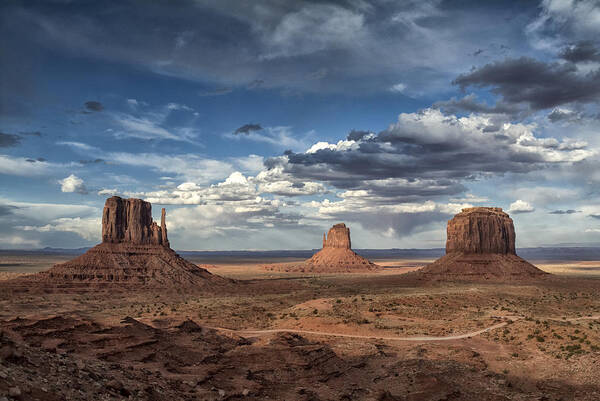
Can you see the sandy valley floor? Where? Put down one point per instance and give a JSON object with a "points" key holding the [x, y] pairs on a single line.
{"points": [[286, 336]]}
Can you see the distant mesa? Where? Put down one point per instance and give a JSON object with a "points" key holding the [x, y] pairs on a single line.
{"points": [[134, 251], [335, 257], [480, 244]]}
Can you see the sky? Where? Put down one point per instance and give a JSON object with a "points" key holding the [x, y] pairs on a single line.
{"points": [[260, 124]]}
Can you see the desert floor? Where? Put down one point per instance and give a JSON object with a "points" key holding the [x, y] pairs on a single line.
{"points": [[285, 336]]}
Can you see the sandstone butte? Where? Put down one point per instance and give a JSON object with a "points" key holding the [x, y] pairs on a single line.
{"points": [[134, 251], [335, 257], [480, 245]]}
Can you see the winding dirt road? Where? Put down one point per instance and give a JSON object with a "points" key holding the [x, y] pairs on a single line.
{"points": [[510, 319]]}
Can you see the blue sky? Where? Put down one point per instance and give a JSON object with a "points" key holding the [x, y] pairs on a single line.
{"points": [[260, 124]]}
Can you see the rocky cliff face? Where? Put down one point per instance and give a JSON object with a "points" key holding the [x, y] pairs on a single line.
{"points": [[480, 230], [337, 237], [130, 221], [480, 247], [134, 252]]}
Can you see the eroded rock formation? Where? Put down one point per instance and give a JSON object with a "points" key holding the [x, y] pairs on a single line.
{"points": [[336, 256], [481, 230], [130, 221], [480, 244], [338, 236], [134, 251]]}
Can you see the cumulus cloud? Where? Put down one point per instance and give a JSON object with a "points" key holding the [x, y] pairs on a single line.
{"points": [[395, 220], [520, 206], [429, 153], [87, 228], [73, 183]]}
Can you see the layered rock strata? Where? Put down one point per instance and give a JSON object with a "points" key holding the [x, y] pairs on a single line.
{"points": [[134, 251], [335, 257], [480, 244]]}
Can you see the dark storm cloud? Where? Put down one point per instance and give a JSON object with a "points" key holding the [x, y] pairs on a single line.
{"points": [[358, 46], [535, 83], [595, 216], [355, 135], [427, 154], [470, 104], [568, 211], [582, 51], [248, 128], [9, 140], [93, 106]]}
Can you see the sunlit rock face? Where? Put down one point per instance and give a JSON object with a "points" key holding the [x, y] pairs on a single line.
{"points": [[337, 237], [480, 246], [481, 230]]}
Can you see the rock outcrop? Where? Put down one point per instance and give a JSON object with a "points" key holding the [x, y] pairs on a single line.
{"points": [[130, 221], [335, 257], [480, 245], [135, 251], [481, 230]]}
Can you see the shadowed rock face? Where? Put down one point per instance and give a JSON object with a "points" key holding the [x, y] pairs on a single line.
{"points": [[337, 237], [130, 221], [481, 230]]}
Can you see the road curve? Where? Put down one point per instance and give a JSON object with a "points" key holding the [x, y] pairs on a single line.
{"points": [[374, 337]]}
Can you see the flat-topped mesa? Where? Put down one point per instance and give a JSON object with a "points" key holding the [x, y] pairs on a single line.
{"points": [[480, 246], [130, 221], [481, 230], [337, 237]]}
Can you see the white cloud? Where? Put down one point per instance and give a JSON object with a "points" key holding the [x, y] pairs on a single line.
{"points": [[520, 206], [78, 146], [73, 183], [398, 88], [21, 166], [187, 166], [140, 127], [177, 106], [313, 28], [278, 137], [87, 228], [470, 198]]}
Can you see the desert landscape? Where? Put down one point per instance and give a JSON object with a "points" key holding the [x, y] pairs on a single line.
{"points": [[110, 327], [300, 200]]}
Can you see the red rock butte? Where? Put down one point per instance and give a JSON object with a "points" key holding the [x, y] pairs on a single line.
{"points": [[480, 244], [135, 251], [335, 257]]}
